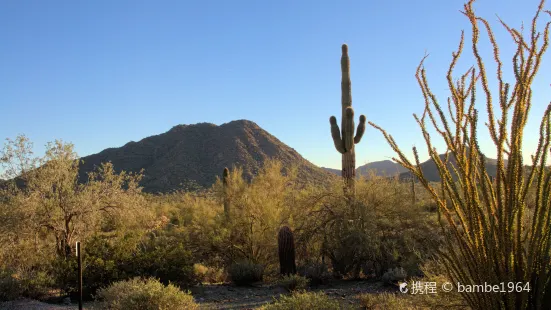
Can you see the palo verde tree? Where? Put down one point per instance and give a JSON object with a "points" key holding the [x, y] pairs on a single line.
{"points": [[51, 202], [344, 138], [492, 234]]}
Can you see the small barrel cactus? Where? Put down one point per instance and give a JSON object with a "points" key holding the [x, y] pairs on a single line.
{"points": [[286, 245]]}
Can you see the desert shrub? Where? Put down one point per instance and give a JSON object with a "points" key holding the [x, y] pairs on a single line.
{"points": [[293, 282], [257, 211], [205, 274], [394, 275], [317, 273], [166, 258], [110, 259], [304, 300], [144, 294], [380, 229], [32, 283], [105, 260], [245, 272]]}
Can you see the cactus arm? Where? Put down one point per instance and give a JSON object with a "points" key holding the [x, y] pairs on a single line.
{"points": [[336, 134], [348, 129], [360, 130]]}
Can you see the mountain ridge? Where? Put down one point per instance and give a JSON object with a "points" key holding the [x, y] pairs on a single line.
{"points": [[192, 155]]}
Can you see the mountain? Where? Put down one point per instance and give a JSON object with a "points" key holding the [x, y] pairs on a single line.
{"points": [[333, 171], [390, 168], [430, 171], [380, 168], [193, 155]]}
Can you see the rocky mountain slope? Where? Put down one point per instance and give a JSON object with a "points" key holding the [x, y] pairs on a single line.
{"points": [[193, 155], [380, 168]]}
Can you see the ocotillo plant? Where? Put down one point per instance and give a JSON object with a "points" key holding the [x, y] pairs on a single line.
{"points": [[286, 246], [344, 138], [225, 183], [492, 235]]}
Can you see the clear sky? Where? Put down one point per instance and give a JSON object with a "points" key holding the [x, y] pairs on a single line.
{"points": [[102, 73]]}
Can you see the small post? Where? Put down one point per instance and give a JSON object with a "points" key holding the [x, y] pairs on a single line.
{"points": [[79, 276]]}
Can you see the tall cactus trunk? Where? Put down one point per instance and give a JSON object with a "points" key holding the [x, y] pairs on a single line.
{"points": [[349, 172], [344, 138], [225, 183], [286, 247]]}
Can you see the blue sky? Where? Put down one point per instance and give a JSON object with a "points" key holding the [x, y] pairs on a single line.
{"points": [[102, 73]]}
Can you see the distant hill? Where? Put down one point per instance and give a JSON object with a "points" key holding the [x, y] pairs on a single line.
{"points": [[193, 155], [380, 168], [390, 168], [430, 171], [333, 171]]}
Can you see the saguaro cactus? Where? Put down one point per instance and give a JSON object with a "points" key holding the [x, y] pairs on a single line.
{"points": [[286, 245], [226, 183], [344, 138]]}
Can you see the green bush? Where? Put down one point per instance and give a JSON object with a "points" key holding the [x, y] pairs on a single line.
{"points": [[144, 294], [304, 300], [104, 261], [246, 273], [107, 260], [316, 273], [33, 284], [293, 282], [165, 258]]}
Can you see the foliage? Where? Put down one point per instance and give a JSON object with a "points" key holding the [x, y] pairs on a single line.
{"points": [[304, 300], [174, 237], [316, 273], [53, 203], [144, 294], [107, 260], [245, 273], [206, 274], [389, 232], [491, 234], [293, 282]]}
